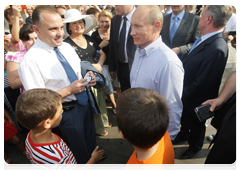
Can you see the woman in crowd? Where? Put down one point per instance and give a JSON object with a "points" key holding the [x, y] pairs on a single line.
{"points": [[101, 37], [28, 37], [12, 82], [77, 26]]}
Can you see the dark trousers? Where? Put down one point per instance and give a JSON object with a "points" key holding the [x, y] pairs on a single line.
{"points": [[77, 127], [196, 133], [124, 76], [192, 129]]}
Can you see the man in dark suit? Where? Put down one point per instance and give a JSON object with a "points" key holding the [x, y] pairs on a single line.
{"points": [[186, 30], [121, 46], [204, 66]]}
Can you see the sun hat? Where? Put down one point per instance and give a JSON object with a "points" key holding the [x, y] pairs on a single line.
{"points": [[73, 15]]}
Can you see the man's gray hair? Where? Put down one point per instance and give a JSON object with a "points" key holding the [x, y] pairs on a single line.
{"points": [[220, 14]]}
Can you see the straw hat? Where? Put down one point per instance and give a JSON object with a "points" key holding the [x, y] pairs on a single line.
{"points": [[73, 15]]}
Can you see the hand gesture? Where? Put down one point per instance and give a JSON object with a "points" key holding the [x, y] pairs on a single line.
{"points": [[104, 43], [97, 155], [16, 10], [30, 7], [7, 44], [94, 81]]}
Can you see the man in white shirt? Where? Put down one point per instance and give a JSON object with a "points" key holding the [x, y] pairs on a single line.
{"points": [[41, 68], [155, 65]]}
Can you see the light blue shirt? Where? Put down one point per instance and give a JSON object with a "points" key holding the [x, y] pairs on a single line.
{"points": [[204, 37], [158, 68], [180, 17]]}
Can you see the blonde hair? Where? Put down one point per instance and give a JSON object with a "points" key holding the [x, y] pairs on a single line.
{"points": [[155, 14], [105, 13]]}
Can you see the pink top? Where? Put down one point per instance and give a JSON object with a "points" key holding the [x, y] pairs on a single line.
{"points": [[15, 56], [19, 46]]}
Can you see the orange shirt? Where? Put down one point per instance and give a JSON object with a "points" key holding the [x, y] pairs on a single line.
{"points": [[163, 155]]}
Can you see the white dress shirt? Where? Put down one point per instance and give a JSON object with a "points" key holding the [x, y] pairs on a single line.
{"points": [[128, 25], [40, 68], [158, 68]]}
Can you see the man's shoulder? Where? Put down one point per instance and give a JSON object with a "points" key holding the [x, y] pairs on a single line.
{"points": [[191, 16], [217, 40], [167, 16], [116, 18]]}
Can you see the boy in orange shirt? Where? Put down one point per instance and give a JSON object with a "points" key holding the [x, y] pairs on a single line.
{"points": [[142, 117]]}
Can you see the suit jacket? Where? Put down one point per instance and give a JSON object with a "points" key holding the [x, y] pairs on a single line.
{"points": [[85, 67], [113, 45], [187, 33], [204, 68]]}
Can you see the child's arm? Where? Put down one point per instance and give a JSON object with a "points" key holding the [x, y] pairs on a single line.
{"points": [[96, 156]]}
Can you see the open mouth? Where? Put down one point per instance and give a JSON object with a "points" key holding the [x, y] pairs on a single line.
{"points": [[58, 39]]}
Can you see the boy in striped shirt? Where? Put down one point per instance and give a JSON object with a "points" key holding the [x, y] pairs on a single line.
{"points": [[40, 110]]}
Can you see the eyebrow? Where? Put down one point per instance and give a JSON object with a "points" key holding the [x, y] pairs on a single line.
{"points": [[52, 28]]}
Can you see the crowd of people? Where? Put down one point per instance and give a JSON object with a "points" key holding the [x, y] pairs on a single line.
{"points": [[62, 64]]}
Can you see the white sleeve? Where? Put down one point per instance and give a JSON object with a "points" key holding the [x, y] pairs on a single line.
{"points": [[171, 88], [30, 76]]}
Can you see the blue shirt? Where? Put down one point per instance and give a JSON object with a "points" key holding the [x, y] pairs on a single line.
{"points": [[158, 68], [180, 17]]}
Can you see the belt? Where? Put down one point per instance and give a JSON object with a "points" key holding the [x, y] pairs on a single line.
{"points": [[68, 105]]}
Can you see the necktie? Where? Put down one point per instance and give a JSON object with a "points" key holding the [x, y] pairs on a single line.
{"points": [[195, 44], [81, 97], [174, 28], [121, 43]]}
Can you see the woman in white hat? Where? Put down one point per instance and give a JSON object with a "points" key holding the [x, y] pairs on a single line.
{"points": [[77, 26]]}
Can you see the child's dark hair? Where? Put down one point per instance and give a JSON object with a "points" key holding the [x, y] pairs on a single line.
{"points": [[142, 116], [34, 106]]}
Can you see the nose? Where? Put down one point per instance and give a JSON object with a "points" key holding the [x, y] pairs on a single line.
{"points": [[132, 31], [60, 32]]}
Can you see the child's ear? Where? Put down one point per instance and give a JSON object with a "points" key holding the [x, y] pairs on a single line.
{"points": [[121, 134], [47, 124]]}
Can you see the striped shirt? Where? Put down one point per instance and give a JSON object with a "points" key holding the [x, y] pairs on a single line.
{"points": [[49, 153]]}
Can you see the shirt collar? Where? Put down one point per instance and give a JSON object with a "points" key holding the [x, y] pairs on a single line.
{"points": [[180, 16], [46, 46], [129, 16], [204, 37], [150, 48]]}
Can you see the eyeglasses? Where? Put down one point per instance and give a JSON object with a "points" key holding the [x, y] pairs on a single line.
{"points": [[62, 16]]}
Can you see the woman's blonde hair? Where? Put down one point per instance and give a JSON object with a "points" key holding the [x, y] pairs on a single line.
{"points": [[105, 13]]}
